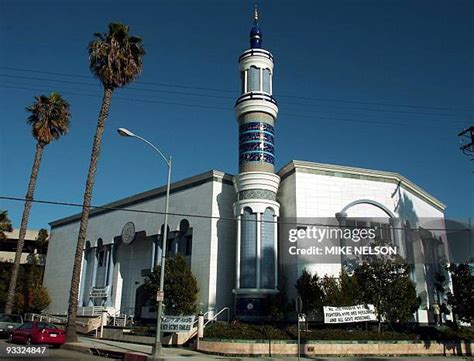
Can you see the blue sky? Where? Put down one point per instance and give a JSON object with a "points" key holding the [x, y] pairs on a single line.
{"points": [[375, 84]]}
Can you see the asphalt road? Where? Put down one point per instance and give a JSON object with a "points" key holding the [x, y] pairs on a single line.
{"points": [[7, 350]]}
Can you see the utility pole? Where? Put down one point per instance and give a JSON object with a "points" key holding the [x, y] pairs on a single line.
{"points": [[467, 141]]}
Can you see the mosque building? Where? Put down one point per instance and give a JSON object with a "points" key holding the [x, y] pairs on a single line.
{"points": [[240, 252]]}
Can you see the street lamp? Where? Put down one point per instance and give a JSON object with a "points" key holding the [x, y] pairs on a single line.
{"points": [[156, 352]]}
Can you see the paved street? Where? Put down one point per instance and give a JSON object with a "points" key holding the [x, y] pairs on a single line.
{"points": [[50, 354]]}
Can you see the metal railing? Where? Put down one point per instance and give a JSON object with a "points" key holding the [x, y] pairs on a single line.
{"points": [[89, 311], [45, 318], [214, 318]]}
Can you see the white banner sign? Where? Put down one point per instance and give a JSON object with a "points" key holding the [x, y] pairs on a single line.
{"points": [[99, 292], [177, 323], [358, 313]]}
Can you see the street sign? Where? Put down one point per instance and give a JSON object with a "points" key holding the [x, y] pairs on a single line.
{"points": [[299, 304], [302, 317], [160, 296]]}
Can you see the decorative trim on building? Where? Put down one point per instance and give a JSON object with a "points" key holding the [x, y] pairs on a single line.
{"points": [[188, 183], [256, 180], [333, 170], [257, 194]]}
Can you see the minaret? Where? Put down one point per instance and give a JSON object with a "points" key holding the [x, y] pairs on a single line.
{"points": [[256, 184]]}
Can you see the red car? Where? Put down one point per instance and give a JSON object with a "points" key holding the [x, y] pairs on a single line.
{"points": [[37, 333]]}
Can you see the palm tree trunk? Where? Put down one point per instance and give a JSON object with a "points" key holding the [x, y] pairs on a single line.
{"points": [[23, 227], [71, 335]]}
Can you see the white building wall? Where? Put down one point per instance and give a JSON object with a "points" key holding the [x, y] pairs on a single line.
{"points": [[222, 248], [196, 200], [306, 194]]}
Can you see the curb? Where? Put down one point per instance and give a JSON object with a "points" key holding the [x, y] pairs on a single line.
{"points": [[128, 356]]}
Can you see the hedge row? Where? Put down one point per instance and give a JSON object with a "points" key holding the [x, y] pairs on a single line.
{"points": [[245, 331]]}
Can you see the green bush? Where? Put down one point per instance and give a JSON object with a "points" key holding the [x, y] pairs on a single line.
{"points": [[237, 330], [245, 331], [341, 334]]}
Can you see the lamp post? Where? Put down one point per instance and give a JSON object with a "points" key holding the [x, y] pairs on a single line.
{"points": [[156, 352]]}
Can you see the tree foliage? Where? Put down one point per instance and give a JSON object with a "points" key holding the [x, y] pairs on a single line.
{"points": [[462, 298], [317, 292], [49, 117], [180, 288], [340, 292], [30, 295], [42, 239], [5, 224], [115, 58], [388, 287], [309, 289]]}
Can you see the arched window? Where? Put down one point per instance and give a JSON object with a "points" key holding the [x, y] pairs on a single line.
{"points": [[267, 267], [186, 238], [101, 252], [266, 81], [183, 226], [248, 249], [253, 79]]}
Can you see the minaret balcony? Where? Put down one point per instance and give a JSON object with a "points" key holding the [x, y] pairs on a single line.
{"points": [[256, 52], [256, 102]]}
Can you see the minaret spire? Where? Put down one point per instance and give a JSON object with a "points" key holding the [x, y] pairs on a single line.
{"points": [[255, 33]]}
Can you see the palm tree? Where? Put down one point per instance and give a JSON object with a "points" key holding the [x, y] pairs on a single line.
{"points": [[115, 58], [49, 120]]}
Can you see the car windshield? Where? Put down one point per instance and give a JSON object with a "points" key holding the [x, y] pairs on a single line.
{"points": [[43, 325], [10, 318]]}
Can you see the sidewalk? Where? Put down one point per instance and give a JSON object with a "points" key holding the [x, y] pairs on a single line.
{"points": [[137, 352], [131, 351]]}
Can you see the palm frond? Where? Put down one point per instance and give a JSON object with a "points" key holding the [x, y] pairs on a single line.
{"points": [[116, 58], [49, 117]]}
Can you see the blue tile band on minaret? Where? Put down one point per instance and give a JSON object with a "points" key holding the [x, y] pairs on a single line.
{"points": [[256, 143]]}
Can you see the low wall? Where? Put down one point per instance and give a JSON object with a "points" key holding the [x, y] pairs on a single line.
{"points": [[326, 348], [126, 335]]}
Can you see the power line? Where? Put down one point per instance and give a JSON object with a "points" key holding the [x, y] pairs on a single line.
{"points": [[236, 92], [134, 88], [129, 88], [190, 215], [122, 98], [384, 123]]}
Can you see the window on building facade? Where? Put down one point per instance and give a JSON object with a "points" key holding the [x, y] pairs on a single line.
{"points": [[266, 81], [248, 249], [253, 79], [267, 267]]}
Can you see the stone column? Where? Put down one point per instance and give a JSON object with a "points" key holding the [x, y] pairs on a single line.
{"points": [[259, 248], [109, 275], [94, 272], [83, 280]]}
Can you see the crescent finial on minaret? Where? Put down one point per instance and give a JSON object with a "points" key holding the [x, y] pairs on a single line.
{"points": [[255, 33]]}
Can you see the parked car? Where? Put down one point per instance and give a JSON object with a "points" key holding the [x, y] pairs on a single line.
{"points": [[8, 323], [38, 333]]}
